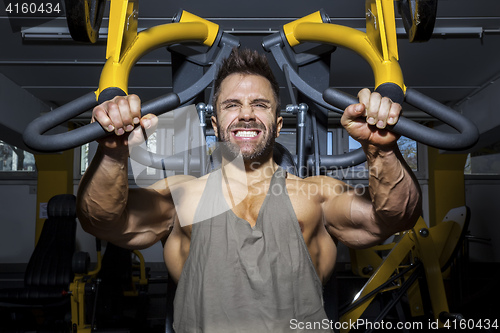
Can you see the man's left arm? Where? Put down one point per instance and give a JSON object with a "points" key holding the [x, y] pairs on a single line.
{"points": [[393, 200]]}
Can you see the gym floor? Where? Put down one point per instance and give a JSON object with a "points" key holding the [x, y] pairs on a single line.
{"points": [[474, 294]]}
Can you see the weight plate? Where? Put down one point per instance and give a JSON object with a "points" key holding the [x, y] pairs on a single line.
{"points": [[84, 19], [419, 17]]}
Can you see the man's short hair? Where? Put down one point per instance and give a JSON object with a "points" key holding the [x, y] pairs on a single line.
{"points": [[249, 62]]}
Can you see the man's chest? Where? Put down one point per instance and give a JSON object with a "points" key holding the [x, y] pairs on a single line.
{"points": [[304, 207]]}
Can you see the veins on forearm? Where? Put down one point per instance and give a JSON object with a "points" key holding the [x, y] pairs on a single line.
{"points": [[394, 192], [103, 191]]}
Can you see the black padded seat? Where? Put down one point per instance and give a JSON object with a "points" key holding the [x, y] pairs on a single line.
{"points": [[49, 274]]}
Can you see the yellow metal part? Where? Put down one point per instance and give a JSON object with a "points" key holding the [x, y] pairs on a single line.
{"points": [[289, 28], [126, 46], [55, 176], [367, 259], [383, 273], [432, 247], [212, 28], [122, 28], [381, 27], [446, 183], [140, 280], [77, 289], [426, 251], [415, 300], [378, 46], [97, 268], [446, 236]]}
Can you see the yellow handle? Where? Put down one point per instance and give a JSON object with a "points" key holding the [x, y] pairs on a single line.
{"points": [[289, 28], [212, 28], [378, 46], [190, 28]]}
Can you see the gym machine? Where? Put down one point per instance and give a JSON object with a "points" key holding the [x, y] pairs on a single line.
{"points": [[395, 268], [378, 46]]}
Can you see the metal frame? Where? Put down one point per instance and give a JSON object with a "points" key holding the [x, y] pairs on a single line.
{"points": [[421, 247], [377, 46]]}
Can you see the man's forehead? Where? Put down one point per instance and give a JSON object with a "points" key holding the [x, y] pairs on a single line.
{"points": [[237, 86]]}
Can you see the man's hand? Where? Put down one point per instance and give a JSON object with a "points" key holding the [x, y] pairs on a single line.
{"points": [[379, 112], [122, 115]]}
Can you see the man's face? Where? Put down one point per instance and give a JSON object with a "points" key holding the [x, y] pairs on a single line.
{"points": [[246, 116]]}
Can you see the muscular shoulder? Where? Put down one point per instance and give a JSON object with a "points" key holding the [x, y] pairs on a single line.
{"points": [[319, 188], [166, 185], [185, 193]]}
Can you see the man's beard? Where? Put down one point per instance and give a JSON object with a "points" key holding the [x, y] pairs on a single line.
{"points": [[259, 154]]}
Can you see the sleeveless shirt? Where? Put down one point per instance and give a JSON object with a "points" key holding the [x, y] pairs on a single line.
{"points": [[242, 279]]}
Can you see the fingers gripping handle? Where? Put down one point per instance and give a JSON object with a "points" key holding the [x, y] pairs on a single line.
{"points": [[34, 135], [466, 134]]}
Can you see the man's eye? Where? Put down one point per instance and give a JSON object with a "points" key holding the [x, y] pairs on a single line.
{"points": [[260, 106], [231, 106]]}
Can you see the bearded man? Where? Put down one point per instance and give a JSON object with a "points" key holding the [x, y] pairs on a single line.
{"points": [[249, 244]]}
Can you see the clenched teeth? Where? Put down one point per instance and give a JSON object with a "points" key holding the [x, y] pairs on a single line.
{"points": [[246, 134]]}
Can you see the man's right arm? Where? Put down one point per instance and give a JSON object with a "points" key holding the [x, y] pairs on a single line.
{"points": [[106, 207]]}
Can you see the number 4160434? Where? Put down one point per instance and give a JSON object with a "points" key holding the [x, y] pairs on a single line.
{"points": [[33, 8]]}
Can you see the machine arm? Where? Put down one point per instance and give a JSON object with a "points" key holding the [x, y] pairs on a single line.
{"points": [[379, 49], [114, 81]]}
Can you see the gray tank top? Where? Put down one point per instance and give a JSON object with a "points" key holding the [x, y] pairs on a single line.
{"points": [[243, 279]]}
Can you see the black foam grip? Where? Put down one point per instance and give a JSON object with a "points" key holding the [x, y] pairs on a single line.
{"points": [[35, 138], [466, 134], [346, 160]]}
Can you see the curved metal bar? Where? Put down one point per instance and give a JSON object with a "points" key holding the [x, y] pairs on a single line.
{"points": [[34, 135], [114, 81], [465, 136], [274, 44], [388, 81]]}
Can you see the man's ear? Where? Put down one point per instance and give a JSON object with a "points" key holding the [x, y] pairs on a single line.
{"points": [[279, 125], [213, 120]]}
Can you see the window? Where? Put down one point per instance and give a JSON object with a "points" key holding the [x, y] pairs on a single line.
{"points": [[211, 141], [408, 148], [13, 159], [329, 144], [84, 158], [288, 139]]}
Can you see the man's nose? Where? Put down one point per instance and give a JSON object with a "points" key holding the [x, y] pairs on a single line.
{"points": [[246, 113]]}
